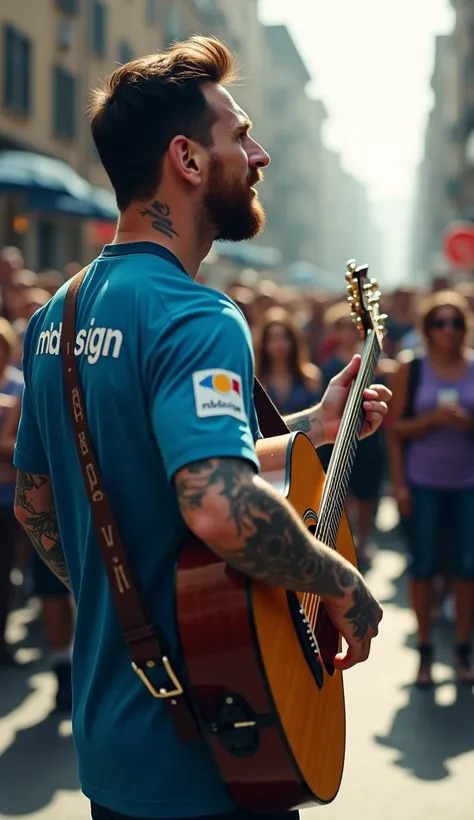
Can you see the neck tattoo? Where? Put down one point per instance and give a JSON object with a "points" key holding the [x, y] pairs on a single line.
{"points": [[160, 218]]}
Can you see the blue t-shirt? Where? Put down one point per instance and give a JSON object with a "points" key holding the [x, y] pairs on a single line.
{"points": [[167, 370]]}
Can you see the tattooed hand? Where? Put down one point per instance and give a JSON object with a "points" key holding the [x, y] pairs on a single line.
{"points": [[255, 530], [357, 618]]}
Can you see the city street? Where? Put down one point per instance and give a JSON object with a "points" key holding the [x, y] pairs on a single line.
{"points": [[410, 754]]}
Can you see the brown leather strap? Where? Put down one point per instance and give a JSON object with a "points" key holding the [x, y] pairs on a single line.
{"points": [[148, 647], [270, 421]]}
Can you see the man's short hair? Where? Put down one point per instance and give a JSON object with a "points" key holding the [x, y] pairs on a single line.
{"points": [[147, 102]]}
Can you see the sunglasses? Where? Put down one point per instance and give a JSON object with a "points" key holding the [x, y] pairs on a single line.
{"points": [[439, 324]]}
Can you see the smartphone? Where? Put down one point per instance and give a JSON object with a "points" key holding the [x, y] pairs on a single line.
{"points": [[447, 396]]}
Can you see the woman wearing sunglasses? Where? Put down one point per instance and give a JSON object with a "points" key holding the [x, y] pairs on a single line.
{"points": [[431, 447]]}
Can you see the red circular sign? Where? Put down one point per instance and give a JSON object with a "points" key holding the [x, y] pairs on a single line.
{"points": [[458, 244]]}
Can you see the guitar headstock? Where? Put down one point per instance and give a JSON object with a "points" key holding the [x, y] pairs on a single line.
{"points": [[364, 299]]}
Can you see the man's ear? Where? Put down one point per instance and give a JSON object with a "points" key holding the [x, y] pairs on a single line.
{"points": [[187, 158]]}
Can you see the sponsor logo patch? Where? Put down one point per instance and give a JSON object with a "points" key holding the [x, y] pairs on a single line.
{"points": [[218, 393]]}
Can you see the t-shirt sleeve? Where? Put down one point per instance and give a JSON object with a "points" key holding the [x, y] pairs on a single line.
{"points": [[201, 375], [29, 455]]}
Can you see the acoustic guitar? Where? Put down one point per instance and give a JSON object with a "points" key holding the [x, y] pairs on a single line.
{"points": [[260, 660]]}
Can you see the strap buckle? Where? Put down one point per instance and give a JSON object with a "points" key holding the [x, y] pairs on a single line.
{"points": [[162, 692]]}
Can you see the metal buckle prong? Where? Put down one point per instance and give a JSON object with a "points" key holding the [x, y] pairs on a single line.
{"points": [[161, 693]]}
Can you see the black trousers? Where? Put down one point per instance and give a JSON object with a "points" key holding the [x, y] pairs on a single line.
{"points": [[100, 813]]}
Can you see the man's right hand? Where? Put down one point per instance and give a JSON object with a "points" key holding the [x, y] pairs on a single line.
{"points": [[252, 527], [357, 617]]}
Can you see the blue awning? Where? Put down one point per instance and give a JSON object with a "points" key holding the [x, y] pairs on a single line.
{"points": [[245, 253], [305, 274], [51, 185], [91, 207]]}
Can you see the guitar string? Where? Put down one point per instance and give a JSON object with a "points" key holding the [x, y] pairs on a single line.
{"points": [[332, 500], [348, 441], [327, 531], [332, 504], [335, 502], [328, 526], [311, 601]]}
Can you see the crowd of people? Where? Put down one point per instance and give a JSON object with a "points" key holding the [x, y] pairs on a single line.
{"points": [[424, 454], [22, 573]]}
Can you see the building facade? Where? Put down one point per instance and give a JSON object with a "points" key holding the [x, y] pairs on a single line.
{"points": [[285, 106], [461, 180], [317, 212], [347, 229], [53, 53], [438, 177], [445, 183]]}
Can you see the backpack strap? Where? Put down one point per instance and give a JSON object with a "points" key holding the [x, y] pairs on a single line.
{"points": [[414, 375], [270, 420]]}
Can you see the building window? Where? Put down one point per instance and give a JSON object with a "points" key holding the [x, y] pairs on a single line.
{"points": [[124, 52], [69, 6], [46, 244], [17, 70], [99, 28], [152, 12], [64, 88]]}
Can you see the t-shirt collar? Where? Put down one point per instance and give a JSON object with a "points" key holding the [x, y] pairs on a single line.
{"points": [[130, 248]]}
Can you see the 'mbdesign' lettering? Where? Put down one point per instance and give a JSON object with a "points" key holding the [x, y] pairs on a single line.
{"points": [[92, 342]]}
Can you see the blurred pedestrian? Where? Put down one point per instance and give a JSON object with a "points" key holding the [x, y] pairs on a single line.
{"points": [[11, 386], [282, 363], [432, 467]]}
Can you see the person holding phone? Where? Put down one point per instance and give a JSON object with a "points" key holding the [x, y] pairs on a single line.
{"points": [[431, 452]]}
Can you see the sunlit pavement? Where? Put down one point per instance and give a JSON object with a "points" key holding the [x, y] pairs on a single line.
{"points": [[410, 754]]}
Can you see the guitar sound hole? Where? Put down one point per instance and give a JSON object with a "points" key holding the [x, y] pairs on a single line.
{"points": [[306, 638], [327, 637]]}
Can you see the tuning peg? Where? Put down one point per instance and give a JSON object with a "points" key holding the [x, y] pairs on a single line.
{"points": [[382, 323], [351, 265]]}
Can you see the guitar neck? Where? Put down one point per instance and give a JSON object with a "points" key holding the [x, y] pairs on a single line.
{"points": [[345, 447]]}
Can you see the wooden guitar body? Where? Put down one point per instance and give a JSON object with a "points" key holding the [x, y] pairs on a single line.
{"points": [[259, 659]]}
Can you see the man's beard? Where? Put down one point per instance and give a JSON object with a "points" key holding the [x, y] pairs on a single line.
{"points": [[231, 209]]}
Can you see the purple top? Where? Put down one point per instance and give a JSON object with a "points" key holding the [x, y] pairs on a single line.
{"points": [[443, 458]]}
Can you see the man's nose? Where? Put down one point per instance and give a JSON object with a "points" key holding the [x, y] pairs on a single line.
{"points": [[258, 157]]}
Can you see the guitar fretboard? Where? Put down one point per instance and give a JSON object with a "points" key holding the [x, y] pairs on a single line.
{"points": [[345, 447]]}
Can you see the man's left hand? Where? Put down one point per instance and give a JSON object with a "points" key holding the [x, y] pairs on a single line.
{"points": [[375, 405]]}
